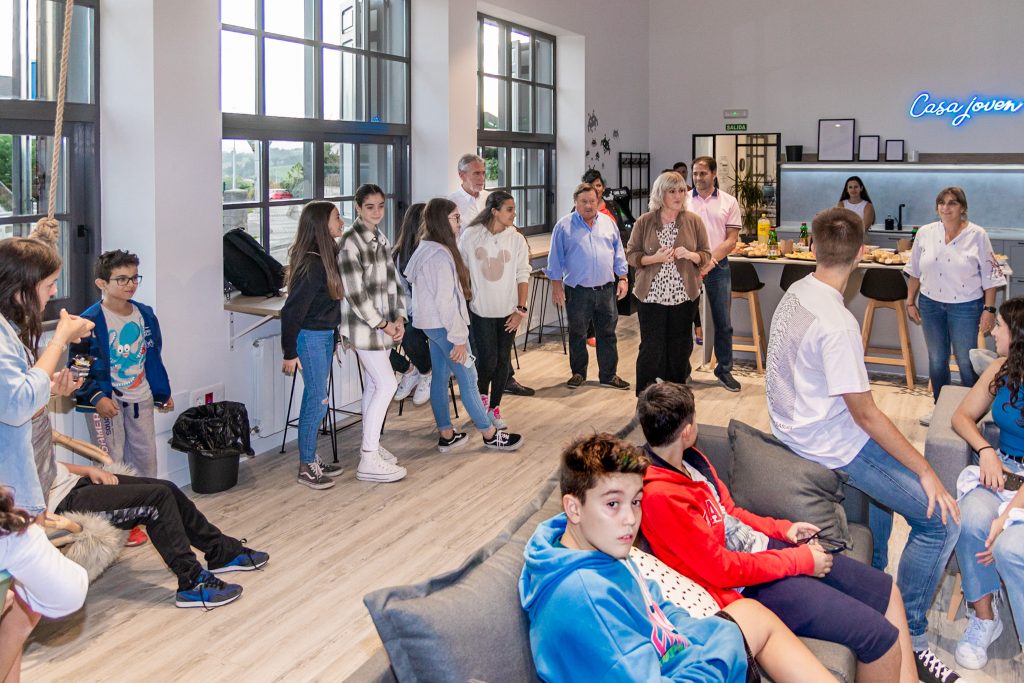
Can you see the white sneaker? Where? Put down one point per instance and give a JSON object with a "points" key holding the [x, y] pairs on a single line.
{"points": [[422, 394], [407, 384], [373, 468], [972, 649], [926, 419], [495, 415], [386, 455]]}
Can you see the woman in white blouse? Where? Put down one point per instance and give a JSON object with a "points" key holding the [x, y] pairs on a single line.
{"points": [[954, 269], [855, 198]]}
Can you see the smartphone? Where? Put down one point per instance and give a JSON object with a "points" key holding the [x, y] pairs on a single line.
{"points": [[1012, 482]]}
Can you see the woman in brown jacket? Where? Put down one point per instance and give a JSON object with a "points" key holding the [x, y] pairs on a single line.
{"points": [[668, 248]]}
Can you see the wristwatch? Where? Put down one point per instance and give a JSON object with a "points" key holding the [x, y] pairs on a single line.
{"points": [[989, 309]]}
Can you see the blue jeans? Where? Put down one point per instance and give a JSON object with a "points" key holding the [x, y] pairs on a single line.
{"points": [[946, 324], [718, 289], [316, 349], [931, 542], [977, 510], [440, 348]]}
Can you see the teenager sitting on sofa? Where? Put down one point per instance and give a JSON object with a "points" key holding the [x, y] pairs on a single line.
{"points": [[594, 618], [693, 526]]}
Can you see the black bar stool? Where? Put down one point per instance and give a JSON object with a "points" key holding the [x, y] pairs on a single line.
{"points": [[329, 426], [745, 285], [885, 288], [542, 284], [791, 272]]}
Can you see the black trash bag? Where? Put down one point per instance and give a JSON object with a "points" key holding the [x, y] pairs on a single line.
{"points": [[216, 430]]}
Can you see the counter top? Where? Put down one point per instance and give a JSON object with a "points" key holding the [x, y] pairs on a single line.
{"points": [[994, 233]]}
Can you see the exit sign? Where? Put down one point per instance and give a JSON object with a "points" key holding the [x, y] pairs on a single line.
{"points": [[738, 127]]}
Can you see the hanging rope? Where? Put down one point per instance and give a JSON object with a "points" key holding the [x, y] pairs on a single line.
{"points": [[58, 128]]}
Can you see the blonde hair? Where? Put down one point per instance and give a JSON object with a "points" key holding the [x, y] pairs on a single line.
{"points": [[669, 180]]}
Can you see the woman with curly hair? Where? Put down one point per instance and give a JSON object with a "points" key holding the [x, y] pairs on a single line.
{"points": [[991, 544]]}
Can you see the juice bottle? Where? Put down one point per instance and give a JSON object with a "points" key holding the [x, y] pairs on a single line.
{"points": [[763, 226]]}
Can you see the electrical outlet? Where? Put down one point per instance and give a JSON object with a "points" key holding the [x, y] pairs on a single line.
{"points": [[206, 395]]}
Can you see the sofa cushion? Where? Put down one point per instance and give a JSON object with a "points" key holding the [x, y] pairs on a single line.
{"points": [[769, 479]]}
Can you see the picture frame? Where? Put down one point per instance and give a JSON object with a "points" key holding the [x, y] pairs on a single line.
{"points": [[835, 139], [868, 147], [894, 151]]}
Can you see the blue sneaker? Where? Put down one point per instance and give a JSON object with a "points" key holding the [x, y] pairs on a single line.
{"points": [[208, 591], [245, 561]]}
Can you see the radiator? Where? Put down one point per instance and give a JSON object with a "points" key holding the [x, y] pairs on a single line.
{"points": [[270, 387]]}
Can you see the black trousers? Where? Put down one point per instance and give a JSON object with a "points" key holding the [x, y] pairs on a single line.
{"points": [[583, 306], [173, 521], [666, 341], [492, 345]]}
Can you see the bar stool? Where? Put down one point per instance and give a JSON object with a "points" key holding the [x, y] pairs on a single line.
{"points": [[542, 284], [329, 426], [885, 288], [745, 285], [791, 272]]}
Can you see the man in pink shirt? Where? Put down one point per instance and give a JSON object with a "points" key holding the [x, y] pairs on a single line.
{"points": [[721, 215]]}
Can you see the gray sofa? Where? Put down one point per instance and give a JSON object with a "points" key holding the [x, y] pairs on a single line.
{"points": [[430, 634]]}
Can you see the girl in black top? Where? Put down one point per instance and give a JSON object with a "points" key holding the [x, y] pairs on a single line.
{"points": [[309, 324]]}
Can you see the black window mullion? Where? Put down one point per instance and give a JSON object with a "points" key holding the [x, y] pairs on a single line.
{"points": [[265, 195], [261, 65]]}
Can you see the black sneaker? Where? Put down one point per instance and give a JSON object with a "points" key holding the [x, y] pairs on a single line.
{"points": [[504, 441], [576, 381], [458, 439], [729, 382], [329, 468], [208, 591], [930, 668], [312, 476], [616, 382], [516, 389], [246, 561]]}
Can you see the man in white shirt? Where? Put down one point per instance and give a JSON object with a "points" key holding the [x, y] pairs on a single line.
{"points": [[820, 405]]}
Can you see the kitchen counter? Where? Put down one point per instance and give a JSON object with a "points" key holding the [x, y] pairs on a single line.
{"points": [[994, 233]]}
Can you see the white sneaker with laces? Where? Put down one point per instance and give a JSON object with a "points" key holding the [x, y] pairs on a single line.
{"points": [[495, 415], [422, 393], [373, 468], [972, 649], [386, 455], [408, 382], [926, 419]]}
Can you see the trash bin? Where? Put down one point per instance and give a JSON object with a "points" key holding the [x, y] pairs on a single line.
{"points": [[214, 436], [794, 152]]}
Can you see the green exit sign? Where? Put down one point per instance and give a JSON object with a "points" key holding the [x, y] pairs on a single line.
{"points": [[738, 127]]}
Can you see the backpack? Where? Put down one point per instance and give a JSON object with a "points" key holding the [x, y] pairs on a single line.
{"points": [[248, 267]]}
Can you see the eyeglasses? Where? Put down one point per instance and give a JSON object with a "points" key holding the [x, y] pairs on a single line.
{"points": [[123, 280], [829, 545], [455, 217]]}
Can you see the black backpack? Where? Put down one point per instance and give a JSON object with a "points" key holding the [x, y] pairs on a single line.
{"points": [[249, 268]]}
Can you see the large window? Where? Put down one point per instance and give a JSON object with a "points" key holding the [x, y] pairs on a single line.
{"points": [[30, 40], [315, 99], [516, 124]]}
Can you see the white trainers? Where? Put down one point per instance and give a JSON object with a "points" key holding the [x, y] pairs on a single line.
{"points": [[408, 382], [422, 394], [495, 416], [386, 455], [373, 468], [972, 649], [926, 419]]}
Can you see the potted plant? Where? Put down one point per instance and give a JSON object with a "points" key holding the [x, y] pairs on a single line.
{"points": [[750, 194]]}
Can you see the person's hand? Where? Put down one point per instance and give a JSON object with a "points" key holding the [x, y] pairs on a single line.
{"points": [[290, 365], [988, 321], [708, 267], [822, 560], [800, 531], [107, 408], [64, 383], [558, 294], [621, 289], [913, 313], [938, 495], [991, 470], [513, 321], [664, 255], [168, 406], [71, 328], [985, 556], [98, 476], [399, 331], [459, 353], [389, 329]]}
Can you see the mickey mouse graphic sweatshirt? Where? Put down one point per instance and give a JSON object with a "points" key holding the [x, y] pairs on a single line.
{"points": [[497, 263]]}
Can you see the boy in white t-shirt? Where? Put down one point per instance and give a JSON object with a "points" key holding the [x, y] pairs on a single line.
{"points": [[821, 406]]}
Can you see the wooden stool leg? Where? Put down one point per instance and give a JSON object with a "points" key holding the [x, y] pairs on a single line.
{"points": [[869, 320], [762, 335], [908, 354], [955, 598], [755, 331]]}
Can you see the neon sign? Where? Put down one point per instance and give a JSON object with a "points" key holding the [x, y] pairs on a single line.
{"points": [[961, 112]]}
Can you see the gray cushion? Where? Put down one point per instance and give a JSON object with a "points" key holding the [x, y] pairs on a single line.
{"points": [[769, 479], [467, 623]]}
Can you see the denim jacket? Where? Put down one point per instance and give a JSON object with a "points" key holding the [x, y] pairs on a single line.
{"points": [[98, 385], [23, 391]]}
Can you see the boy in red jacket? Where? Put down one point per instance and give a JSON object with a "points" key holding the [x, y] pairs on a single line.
{"points": [[692, 524]]}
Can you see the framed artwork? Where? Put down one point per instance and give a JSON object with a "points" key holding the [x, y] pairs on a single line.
{"points": [[868, 148], [894, 150], [835, 139]]}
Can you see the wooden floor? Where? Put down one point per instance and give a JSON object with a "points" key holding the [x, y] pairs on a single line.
{"points": [[302, 618]]}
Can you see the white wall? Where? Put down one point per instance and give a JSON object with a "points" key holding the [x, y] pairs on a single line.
{"points": [[791, 63]]}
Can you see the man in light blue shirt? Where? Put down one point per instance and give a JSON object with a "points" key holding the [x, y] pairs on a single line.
{"points": [[587, 269]]}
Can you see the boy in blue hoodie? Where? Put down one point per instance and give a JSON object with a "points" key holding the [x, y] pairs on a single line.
{"points": [[594, 617]]}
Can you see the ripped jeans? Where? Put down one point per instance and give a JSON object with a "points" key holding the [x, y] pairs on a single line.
{"points": [[316, 350]]}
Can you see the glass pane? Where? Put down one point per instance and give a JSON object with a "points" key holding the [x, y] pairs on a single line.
{"points": [[288, 17], [493, 53], [376, 165], [494, 108], [289, 78], [545, 62], [519, 54], [387, 226], [249, 219], [25, 229], [494, 160], [387, 91], [339, 169], [522, 114], [535, 207], [240, 170], [24, 170], [291, 170], [344, 91], [30, 45], [535, 166], [347, 209], [545, 110], [238, 13], [343, 22], [387, 30], [520, 197], [237, 73], [284, 221], [518, 166]]}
